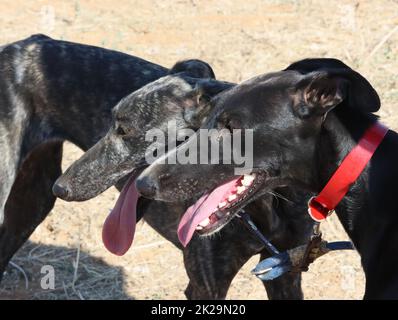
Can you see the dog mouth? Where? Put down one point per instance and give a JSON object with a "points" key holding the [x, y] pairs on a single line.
{"points": [[246, 188], [215, 210]]}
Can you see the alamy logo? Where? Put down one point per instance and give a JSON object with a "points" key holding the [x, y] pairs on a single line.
{"points": [[48, 279], [206, 146]]}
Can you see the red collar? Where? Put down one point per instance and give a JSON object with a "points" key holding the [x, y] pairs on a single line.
{"points": [[322, 205]]}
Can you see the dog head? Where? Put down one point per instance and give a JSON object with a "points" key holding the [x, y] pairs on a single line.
{"points": [[285, 112], [180, 97]]}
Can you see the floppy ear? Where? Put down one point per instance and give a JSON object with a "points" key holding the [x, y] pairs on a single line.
{"points": [[331, 82], [200, 98], [193, 68], [306, 66], [318, 93]]}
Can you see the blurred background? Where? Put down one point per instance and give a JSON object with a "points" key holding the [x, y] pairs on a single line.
{"points": [[239, 39]]}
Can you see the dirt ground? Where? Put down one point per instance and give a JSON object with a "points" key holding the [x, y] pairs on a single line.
{"points": [[239, 39]]}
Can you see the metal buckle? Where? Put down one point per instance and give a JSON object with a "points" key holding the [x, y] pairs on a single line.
{"points": [[321, 208], [312, 249]]}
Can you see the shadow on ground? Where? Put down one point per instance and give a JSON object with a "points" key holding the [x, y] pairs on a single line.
{"points": [[83, 276]]}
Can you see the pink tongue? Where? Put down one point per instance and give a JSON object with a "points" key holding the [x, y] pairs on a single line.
{"points": [[202, 209], [119, 227]]}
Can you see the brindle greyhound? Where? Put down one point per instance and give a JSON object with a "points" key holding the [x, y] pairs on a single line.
{"points": [[52, 91], [305, 121]]}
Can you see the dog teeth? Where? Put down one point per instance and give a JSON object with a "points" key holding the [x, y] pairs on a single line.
{"points": [[247, 180], [232, 197], [240, 189], [222, 204], [199, 227], [205, 222]]}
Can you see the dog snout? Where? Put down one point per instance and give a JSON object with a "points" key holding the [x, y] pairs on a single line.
{"points": [[61, 191], [146, 187]]}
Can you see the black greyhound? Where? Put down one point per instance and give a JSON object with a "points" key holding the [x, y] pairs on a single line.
{"points": [[305, 121], [52, 91]]}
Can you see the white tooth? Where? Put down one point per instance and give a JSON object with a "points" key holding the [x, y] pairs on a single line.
{"points": [[246, 183], [199, 227], [240, 189], [232, 197], [228, 213], [205, 222], [247, 180], [222, 204]]}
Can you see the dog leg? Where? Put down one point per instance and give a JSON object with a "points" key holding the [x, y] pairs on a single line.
{"points": [[286, 287], [10, 146], [212, 263], [30, 199]]}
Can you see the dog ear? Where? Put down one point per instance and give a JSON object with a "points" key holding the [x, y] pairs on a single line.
{"points": [[330, 80], [200, 98], [306, 66], [194, 68], [318, 93]]}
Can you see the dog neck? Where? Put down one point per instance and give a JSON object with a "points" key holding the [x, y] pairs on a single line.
{"points": [[368, 212], [341, 132]]}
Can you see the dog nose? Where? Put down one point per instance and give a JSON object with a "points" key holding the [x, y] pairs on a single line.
{"points": [[60, 191], [146, 187]]}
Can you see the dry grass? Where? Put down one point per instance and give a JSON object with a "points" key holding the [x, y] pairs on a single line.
{"points": [[240, 39]]}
